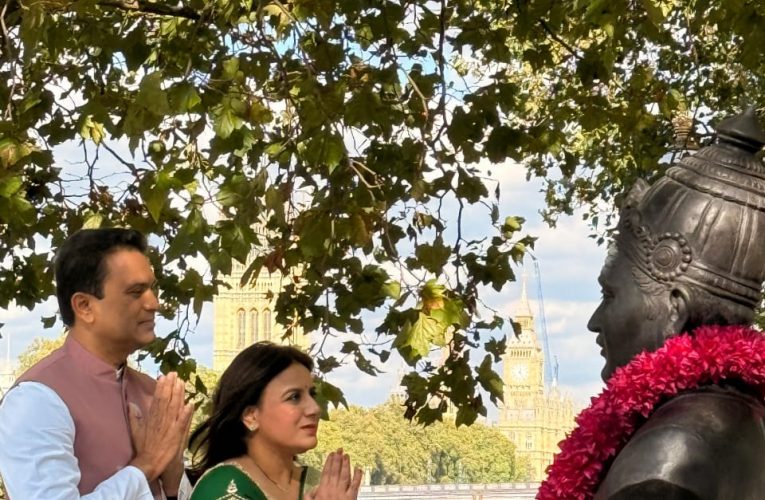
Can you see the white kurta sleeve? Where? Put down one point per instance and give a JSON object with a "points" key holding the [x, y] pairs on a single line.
{"points": [[37, 453], [184, 489]]}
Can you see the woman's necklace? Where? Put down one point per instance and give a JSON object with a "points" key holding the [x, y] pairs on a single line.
{"points": [[281, 488]]}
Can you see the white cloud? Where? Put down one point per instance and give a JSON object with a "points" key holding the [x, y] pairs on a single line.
{"points": [[21, 326], [582, 394], [362, 389]]}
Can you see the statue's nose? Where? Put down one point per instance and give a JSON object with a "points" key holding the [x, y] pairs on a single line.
{"points": [[593, 324]]}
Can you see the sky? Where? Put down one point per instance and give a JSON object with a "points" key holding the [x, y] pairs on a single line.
{"points": [[569, 264]]}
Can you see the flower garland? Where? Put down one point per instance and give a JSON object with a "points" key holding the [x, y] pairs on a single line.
{"points": [[710, 355]]}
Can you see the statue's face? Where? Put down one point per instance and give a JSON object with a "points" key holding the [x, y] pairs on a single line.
{"points": [[630, 318]]}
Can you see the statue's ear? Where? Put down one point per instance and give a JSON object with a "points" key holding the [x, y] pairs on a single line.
{"points": [[636, 193], [678, 317]]}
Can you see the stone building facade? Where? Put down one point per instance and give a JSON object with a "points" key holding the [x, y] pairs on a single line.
{"points": [[535, 418], [245, 314]]}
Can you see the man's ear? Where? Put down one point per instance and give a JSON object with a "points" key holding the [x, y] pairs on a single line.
{"points": [[82, 306], [679, 300]]}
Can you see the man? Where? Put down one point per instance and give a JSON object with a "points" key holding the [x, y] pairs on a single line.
{"points": [[689, 252], [81, 423]]}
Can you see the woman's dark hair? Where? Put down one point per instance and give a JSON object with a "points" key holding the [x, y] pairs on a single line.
{"points": [[80, 263], [222, 435]]}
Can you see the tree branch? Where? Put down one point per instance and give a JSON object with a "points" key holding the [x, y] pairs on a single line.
{"points": [[130, 166], [558, 39], [152, 8], [441, 71]]}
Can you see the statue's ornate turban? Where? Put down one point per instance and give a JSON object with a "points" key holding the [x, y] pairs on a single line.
{"points": [[703, 222]]}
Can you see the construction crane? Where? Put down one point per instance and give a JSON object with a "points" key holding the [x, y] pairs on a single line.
{"points": [[550, 380]]}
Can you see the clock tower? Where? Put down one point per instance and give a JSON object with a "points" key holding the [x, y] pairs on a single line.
{"points": [[534, 417], [523, 360]]}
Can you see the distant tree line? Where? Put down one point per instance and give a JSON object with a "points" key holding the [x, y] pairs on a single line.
{"points": [[392, 450]]}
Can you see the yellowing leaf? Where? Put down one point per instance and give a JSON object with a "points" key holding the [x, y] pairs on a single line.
{"points": [[432, 295], [11, 151], [92, 130], [93, 221], [360, 233]]}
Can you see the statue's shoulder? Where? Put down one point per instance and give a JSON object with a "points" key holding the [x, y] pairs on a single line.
{"points": [[704, 444]]}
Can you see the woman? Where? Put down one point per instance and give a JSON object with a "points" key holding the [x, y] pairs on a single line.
{"points": [[263, 415]]}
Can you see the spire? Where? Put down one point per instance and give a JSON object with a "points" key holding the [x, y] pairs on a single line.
{"points": [[524, 309]]}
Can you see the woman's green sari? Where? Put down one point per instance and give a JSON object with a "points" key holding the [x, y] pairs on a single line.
{"points": [[230, 482]]}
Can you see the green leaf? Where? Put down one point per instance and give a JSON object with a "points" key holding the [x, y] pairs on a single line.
{"points": [[228, 116], [452, 313], [470, 187], [9, 186], [315, 236], [326, 365], [489, 380], [154, 194], [327, 393], [465, 416], [654, 11], [504, 142], [183, 97], [392, 289], [326, 149], [190, 238], [199, 385], [259, 113], [32, 28], [517, 329], [433, 257], [421, 334], [277, 12], [230, 68], [150, 95]]}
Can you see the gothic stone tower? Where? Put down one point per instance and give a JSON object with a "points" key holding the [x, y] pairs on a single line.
{"points": [[534, 417], [244, 315]]}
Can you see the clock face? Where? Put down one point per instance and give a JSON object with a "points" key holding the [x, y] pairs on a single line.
{"points": [[519, 372]]}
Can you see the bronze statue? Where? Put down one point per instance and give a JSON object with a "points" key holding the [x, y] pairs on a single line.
{"points": [[690, 251]]}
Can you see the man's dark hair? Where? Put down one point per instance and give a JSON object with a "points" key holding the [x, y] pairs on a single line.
{"points": [[80, 263]]}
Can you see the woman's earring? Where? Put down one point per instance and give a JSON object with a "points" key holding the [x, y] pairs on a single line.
{"points": [[252, 427]]}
